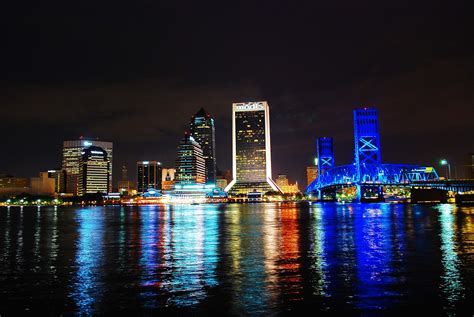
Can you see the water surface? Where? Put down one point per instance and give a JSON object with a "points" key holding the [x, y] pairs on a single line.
{"points": [[363, 259]]}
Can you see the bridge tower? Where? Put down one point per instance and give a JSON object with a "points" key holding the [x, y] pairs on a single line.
{"points": [[325, 155], [366, 141]]}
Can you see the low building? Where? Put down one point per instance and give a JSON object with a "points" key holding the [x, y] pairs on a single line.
{"points": [[43, 185], [287, 188], [10, 185], [221, 183]]}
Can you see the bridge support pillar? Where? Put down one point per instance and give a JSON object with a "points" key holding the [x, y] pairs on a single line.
{"points": [[371, 194], [358, 192]]}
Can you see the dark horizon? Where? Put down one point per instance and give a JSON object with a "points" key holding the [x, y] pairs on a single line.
{"points": [[134, 74]]}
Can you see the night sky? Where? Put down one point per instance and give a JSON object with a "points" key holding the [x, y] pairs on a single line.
{"points": [[135, 72]]}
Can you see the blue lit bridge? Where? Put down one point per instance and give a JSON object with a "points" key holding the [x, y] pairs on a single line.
{"points": [[367, 173]]}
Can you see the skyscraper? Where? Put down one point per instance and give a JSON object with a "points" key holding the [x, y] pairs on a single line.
{"points": [[72, 156], [203, 132], [251, 153], [125, 186], [148, 175], [190, 164], [94, 171]]}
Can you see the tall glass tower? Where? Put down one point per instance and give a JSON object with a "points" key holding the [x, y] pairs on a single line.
{"points": [[190, 164], [148, 175], [203, 132], [94, 171], [251, 153], [72, 155]]}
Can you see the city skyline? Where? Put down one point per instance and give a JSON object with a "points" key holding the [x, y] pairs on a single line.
{"points": [[459, 169], [412, 62]]}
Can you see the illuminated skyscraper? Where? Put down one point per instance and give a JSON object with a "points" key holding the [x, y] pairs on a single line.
{"points": [[72, 156], [203, 132], [148, 175], [190, 164], [251, 153], [94, 171]]}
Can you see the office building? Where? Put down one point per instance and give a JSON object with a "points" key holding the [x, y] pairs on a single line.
{"points": [[311, 174], [126, 186], [72, 155], [148, 176], [94, 171], [190, 164], [43, 185], [10, 185], [251, 152], [167, 182], [221, 182], [284, 185], [59, 177], [203, 131]]}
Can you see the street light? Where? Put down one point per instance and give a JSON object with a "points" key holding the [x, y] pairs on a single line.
{"points": [[445, 162]]}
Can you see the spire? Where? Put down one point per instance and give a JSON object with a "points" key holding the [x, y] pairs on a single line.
{"points": [[200, 113]]}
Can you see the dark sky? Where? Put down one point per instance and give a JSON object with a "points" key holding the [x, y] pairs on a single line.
{"points": [[134, 72]]}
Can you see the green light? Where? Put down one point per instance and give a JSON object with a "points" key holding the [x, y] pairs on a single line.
{"points": [[443, 162]]}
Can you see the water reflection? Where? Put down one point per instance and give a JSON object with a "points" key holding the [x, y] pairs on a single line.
{"points": [[193, 252], [451, 284], [87, 289], [237, 259], [245, 244], [374, 251]]}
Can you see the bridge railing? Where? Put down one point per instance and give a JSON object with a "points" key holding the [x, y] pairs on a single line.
{"points": [[386, 174]]}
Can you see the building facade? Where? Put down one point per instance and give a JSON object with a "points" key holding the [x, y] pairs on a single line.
{"points": [[251, 151], [43, 185], [148, 176], [10, 185], [72, 155], [190, 163], [59, 176], [126, 186], [203, 131], [285, 186], [311, 174], [168, 175], [94, 171]]}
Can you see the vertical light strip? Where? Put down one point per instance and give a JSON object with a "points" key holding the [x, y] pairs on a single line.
{"points": [[234, 151]]}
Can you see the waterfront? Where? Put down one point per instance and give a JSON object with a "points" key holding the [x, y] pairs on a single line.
{"points": [[237, 259]]}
